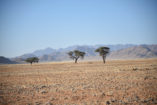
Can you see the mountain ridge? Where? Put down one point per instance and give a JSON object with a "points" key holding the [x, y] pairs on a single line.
{"points": [[119, 51], [142, 51], [4, 60]]}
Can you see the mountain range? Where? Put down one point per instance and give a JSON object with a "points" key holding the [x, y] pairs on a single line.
{"points": [[119, 51]]}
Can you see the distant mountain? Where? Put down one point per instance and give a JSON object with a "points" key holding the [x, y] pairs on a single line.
{"points": [[43, 52], [142, 51], [119, 46], [112, 47], [4, 60], [118, 51]]}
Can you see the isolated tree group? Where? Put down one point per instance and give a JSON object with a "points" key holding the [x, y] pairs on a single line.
{"points": [[32, 60], [76, 54]]}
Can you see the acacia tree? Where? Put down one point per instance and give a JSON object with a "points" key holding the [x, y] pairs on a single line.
{"points": [[103, 51], [76, 54], [32, 59]]}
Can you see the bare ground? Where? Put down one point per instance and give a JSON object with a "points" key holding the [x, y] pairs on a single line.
{"points": [[125, 82]]}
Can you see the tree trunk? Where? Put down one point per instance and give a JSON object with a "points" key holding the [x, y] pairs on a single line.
{"points": [[76, 60], [104, 58]]}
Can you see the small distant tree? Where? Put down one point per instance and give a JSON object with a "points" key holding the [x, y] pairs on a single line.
{"points": [[32, 59], [103, 51], [76, 54]]}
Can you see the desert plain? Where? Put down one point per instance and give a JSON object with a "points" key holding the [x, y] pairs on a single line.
{"points": [[118, 82]]}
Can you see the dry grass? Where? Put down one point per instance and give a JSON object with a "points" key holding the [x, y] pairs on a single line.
{"points": [[86, 83]]}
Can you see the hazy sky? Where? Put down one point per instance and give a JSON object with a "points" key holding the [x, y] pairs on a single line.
{"points": [[27, 25]]}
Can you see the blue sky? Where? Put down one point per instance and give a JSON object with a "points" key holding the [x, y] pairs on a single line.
{"points": [[27, 25]]}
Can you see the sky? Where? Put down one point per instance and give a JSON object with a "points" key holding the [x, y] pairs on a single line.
{"points": [[28, 25]]}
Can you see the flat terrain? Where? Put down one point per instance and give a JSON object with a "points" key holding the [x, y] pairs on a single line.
{"points": [[125, 82]]}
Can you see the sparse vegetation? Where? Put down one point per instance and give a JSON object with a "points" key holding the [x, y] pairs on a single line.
{"points": [[76, 54], [63, 83], [103, 51], [32, 59]]}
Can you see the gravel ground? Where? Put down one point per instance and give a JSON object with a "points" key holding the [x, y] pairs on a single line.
{"points": [[121, 82]]}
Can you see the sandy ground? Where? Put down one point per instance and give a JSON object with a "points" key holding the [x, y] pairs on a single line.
{"points": [[125, 82]]}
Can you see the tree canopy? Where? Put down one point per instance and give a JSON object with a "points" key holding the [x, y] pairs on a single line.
{"points": [[32, 59], [76, 54], [103, 51]]}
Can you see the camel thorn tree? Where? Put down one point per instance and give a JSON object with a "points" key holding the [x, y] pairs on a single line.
{"points": [[32, 59], [103, 51], [76, 54]]}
